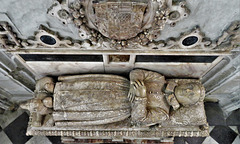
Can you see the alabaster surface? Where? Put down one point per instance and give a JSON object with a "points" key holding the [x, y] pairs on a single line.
{"points": [[91, 100], [98, 105]]}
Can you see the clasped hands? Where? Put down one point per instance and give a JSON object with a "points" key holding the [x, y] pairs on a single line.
{"points": [[137, 89]]}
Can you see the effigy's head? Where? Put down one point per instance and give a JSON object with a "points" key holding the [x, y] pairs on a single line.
{"points": [[45, 83], [189, 94]]}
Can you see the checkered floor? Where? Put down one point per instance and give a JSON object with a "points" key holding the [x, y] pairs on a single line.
{"points": [[13, 127]]}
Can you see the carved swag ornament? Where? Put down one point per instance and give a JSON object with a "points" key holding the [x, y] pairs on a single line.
{"points": [[148, 106]]}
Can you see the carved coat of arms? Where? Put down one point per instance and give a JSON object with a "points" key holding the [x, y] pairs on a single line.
{"points": [[119, 20]]}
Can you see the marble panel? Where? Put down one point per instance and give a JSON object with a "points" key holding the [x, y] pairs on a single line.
{"points": [[63, 68], [186, 70]]}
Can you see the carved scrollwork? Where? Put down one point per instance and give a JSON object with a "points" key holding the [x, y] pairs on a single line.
{"points": [[60, 11], [176, 12], [49, 39], [196, 41], [8, 39], [230, 38], [43, 38]]}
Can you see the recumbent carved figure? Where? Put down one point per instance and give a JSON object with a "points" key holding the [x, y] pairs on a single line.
{"points": [[100, 102]]}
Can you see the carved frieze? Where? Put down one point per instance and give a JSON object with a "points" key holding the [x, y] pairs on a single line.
{"points": [[189, 41]]}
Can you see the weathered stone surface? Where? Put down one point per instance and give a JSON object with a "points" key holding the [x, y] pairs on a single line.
{"points": [[98, 105]]}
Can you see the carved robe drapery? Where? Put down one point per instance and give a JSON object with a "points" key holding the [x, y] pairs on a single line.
{"points": [[156, 109], [91, 100]]}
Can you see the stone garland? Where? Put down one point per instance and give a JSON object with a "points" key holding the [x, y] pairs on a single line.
{"points": [[229, 40]]}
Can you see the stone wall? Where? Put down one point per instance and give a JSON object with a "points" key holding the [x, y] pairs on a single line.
{"points": [[16, 82], [223, 82]]}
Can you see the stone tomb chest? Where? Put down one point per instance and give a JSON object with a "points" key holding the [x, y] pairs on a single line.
{"points": [[99, 106]]}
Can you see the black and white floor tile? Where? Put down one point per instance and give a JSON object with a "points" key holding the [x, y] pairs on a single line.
{"points": [[13, 127], [222, 131]]}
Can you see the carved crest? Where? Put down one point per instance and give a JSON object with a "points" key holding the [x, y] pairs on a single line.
{"points": [[119, 20]]}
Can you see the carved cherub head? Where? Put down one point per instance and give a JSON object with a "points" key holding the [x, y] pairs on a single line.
{"points": [[45, 83], [189, 94]]}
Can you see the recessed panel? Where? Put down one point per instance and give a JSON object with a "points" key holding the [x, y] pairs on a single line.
{"points": [[176, 59], [69, 58], [119, 58]]}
